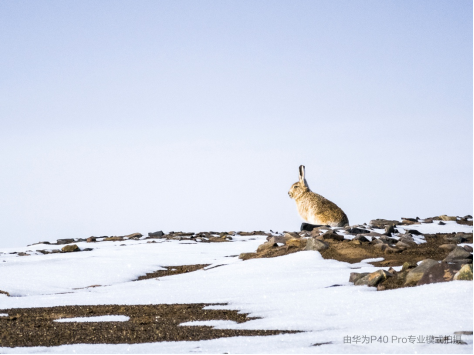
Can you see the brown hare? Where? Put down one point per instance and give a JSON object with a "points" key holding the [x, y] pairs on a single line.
{"points": [[314, 208]]}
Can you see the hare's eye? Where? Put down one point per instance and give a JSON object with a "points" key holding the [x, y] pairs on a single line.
{"points": [[295, 187]]}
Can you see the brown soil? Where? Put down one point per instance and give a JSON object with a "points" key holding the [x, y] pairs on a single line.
{"points": [[148, 323], [350, 252], [172, 270], [353, 253]]}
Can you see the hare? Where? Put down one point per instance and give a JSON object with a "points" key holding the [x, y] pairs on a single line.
{"points": [[314, 208]]}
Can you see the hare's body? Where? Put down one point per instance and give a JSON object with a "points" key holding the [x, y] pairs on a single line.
{"points": [[314, 208]]}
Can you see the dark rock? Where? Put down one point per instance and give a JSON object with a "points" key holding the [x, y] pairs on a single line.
{"points": [[309, 227], [65, 241], [467, 248], [70, 248], [356, 276], [361, 238], [410, 219], [356, 230], [156, 234], [468, 217], [91, 239], [315, 244], [330, 234], [458, 253], [441, 272], [441, 223], [89, 249], [414, 232], [389, 230], [416, 274], [373, 278], [464, 274]]}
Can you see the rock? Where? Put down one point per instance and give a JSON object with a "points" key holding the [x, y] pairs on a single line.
{"points": [[408, 241], [290, 235], [373, 278], [355, 230], [330, 234], [91, 239], [134, 236], [441, 223], [277, 239], [441, 272], [408, 265], [296, 242], [464, 274], [402, 246], [265, 246], [456, 239], [156, 234], [113, 239], [406, 222], [389, 230], [65, 241], [447, 218], [70, 248], [246, 256], [315, 244], [361, 238], [414, 275], [381, 223], [309, 227], [23, 254], [414, 232], [468, 217], [459, 254], [447, 246], [4, 293], [427, 220], [356, 276], [388, 240], [391, 250], [467, 248], [392, 271]]}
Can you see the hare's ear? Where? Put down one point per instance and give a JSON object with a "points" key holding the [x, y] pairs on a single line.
{"points": [[302, 178]]}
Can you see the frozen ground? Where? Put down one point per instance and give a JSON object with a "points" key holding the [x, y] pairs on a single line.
{"points": [[291, 292]]}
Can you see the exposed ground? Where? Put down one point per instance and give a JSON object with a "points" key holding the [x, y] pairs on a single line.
{"points": [[148, 323]]}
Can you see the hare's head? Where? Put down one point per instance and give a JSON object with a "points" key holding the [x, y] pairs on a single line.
{"points": [[300, 187]]}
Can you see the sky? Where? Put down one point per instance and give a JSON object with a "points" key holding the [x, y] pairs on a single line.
{"points": [[136, 116]]}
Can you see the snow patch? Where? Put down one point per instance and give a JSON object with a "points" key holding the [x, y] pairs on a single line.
{"points": [[94, 319]]}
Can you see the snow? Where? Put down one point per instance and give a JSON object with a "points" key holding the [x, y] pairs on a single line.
{"points": [[292, 292], [118, 318], [372, 260]]}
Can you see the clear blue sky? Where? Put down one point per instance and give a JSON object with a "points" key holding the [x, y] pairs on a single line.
{"points": [[135, 116]]}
